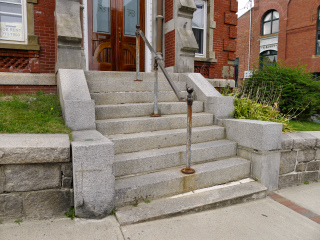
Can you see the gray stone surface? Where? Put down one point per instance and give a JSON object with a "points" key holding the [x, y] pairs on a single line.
{"points": [[62, 229], [310, 176], [301, 167], [145, 124], [223, 83], [31, 177], [194, 202], [2, 179], [214, 102], [144, 109], [11, 206], [286, 142], [318, 154], [306, 155], [11, 78], [265, 167], [93, 157], [289, 180], [125, 143], [66, 169], [254, 134], [156, 159], [288, 161], [315, 134], [34, 148], [303, 140], [76, 104], [313, 166], [172, 181], [46, 204]]}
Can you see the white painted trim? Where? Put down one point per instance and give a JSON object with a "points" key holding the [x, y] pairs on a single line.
{"points": [[85, 33], [148, 33], [204, 54]]}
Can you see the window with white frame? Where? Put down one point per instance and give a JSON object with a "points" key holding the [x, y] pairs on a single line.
{"points": [[270, 23], [13, 21], [199, 26]]}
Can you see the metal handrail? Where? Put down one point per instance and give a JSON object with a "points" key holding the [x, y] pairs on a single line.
{"points": [[158, 61]]}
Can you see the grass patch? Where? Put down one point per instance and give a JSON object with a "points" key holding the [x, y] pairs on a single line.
{"points": [[31, 113], [304, 126]]}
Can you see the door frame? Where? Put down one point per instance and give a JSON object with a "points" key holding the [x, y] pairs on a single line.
{"points": [[149, 32]]}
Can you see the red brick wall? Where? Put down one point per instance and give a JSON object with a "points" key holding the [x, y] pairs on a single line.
{"points": [[7, 89], [169, 41], [168, 10], [296, 37], [224, 42], [35, 61]]}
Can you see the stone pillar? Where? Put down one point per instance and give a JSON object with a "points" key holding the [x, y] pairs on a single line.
{"points": [[185, 42], [69, 35]]}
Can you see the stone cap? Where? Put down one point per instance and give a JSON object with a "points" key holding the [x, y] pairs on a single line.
{"points": [[34, 148], [300, 140]]}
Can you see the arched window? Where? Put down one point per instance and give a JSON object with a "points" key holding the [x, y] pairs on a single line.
{"points": [[270, 23], [318, 34]]}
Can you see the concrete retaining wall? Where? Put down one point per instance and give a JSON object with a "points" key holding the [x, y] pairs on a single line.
{"points": [[300, 158], [35, 175]]}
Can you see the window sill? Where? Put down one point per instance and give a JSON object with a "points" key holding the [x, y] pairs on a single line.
{"points": [[316, 56], [32, 45], [269, 35], [202, 59]]}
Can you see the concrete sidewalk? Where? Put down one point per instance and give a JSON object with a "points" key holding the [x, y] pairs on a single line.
{"points": [[261, 219]]}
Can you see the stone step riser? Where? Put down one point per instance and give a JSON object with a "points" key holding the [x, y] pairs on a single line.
{"points": [[134, 97], [172, 181], [92, 76], [154, 160], [163, 139], [143, 109], [131, 86], [146, 124]]}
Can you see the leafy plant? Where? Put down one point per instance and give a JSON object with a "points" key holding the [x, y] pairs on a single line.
{"points": [[147, 201], [18, 221], [71, 213], [300, 93], [306, 182]]}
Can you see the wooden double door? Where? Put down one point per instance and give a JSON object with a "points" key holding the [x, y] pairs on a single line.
{"points": [[112, 41]]}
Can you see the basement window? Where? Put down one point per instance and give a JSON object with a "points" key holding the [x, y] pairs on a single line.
{"points": [[13, 21], [199, 26]]}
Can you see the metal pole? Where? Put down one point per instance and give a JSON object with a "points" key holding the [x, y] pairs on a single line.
{"points": [[188, 169], [138, 53], [249, 52], [155, 105]]}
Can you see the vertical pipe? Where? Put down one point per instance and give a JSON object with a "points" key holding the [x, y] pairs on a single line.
{"points": [[188, 169], [159, 25], [249, 57], [138, 53], [155, 105]]}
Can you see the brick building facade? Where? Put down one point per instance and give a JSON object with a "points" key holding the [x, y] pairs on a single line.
{"points": [[295, 39], [40, 43]]}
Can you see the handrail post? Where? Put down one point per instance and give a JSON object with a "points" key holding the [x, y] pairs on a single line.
{"points": [[155, 105], [188, 169], [138, 53]]}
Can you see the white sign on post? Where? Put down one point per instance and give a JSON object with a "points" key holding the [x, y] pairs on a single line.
{"points": [[247, 74]]}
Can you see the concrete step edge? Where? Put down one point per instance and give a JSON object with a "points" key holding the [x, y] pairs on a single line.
{"points": [[195, 201]]}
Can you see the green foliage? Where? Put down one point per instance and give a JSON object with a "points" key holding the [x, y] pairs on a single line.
{"points": [[147, 201], [306, 182], [249, 109], [31, 113], [304, 126], [71, 213], [300, 92], [18, 221]]}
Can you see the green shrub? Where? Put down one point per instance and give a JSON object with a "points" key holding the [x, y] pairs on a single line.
{"points": [[300, 92], [249, 109]]}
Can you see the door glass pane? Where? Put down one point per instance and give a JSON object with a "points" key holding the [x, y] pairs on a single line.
{"points": [[275, 26], [267, 28], [198, 16], [130, 16], [198, 33], [10, 8], [101, 16]]}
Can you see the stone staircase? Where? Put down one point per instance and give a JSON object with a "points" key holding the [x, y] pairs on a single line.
{"points": [[151, 151]]}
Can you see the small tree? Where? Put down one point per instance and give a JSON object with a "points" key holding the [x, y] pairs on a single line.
{"points": [[300, 92]]}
